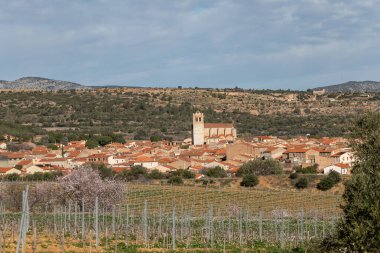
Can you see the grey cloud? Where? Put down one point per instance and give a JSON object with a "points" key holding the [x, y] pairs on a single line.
{"points": [[252, 44]]}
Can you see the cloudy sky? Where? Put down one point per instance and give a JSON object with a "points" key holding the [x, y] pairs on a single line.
{"points": [[247, 43]]}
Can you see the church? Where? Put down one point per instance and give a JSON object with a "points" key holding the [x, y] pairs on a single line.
{"points": [[207, 133]]}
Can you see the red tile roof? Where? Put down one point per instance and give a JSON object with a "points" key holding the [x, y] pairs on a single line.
{"points": [[24, 162], [343, 165], [4, 170], [218, 125], [142, 159]]}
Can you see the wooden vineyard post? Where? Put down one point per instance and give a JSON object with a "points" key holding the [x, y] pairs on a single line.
{"points": [[145, 224], [282, 231], [113, 221], [83, 223], [96, 222], [261, 225], [173, 230]]}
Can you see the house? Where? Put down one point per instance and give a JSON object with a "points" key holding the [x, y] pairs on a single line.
{"points": [[118, 160], [3, 145], [25, 163], [265, 139], [33, 169], [101, 158], [5, 171], [344, 157], [181, 163], [165, 168], [146, 162], [58, 162], [300, 156], [239, 148], [341, 168], [273, 152]]}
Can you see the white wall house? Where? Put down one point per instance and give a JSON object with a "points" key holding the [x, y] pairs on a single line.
{"points": [[344, 157], [117, 160], [146, 162], [3, 145], [343, 169]]}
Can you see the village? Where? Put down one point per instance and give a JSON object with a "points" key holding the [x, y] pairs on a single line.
{"points": [[212, 145]]}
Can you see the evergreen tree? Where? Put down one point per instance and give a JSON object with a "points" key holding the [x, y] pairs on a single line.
{"points": [[359, 228]]}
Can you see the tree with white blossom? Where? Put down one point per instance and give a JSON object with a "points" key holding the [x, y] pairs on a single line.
{"points": [[85, 184]]}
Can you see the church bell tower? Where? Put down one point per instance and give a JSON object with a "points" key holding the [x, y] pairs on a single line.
{"points": [[198, 129]]}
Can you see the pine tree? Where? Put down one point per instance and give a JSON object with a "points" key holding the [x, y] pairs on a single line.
{"points": [[359, 228]]}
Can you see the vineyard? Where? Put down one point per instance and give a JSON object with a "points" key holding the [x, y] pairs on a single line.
{"points": [[164, 218]]}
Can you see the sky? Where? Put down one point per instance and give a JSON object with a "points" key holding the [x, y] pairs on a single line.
{"points": [[257, 44]]}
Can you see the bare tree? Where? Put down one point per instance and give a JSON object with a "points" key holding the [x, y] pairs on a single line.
{"points": [[85, 184]]}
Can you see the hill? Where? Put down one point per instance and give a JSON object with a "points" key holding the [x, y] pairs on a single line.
{"points": [[141, 113], [38, 83], [352, 86]]}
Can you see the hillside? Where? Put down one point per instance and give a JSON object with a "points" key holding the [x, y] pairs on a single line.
{"points": [[38, 83], [140, 113], [352, 86]]}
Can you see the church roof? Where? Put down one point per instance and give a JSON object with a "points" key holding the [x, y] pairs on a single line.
{"points": [[219, 125]]}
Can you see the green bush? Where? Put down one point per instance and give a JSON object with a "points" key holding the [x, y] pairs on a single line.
{"points": [[216, 172], [328, 182], [293, 175], [135, 173], [103, 170], [156, 174], [302, 183], [249, 180], [12, 177], [325, 184], [155, 138], [260, 167], [91, 143], [176, 180], [187, 174], [308, 170], [335, 176]]}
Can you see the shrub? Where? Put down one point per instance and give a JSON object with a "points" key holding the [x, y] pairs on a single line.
{"points": [[44, 176], [335, 176], [308, 170], [325, 184], [293, 175], [12, 177], [216, 172], [53, 147], [156, 174], [260, 167], [187, 174], [249, 180], [137, 172], [155, 138], [176, 180], [328, 182], [103, 170], [91, 143], [302, 183]]}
